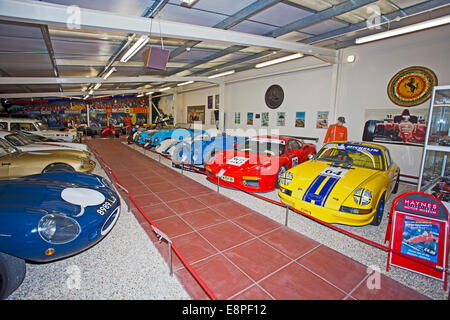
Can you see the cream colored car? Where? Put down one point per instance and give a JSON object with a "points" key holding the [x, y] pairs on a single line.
{"points": [[16, 164]]}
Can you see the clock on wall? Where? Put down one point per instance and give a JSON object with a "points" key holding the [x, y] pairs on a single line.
{"points": [[274, 96]]}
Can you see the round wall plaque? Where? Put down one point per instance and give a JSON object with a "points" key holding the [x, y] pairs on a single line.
{"points": [[411, 86], [274, 96]]}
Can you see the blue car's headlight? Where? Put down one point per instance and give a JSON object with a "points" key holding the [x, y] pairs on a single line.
{"points": [[58, 229]]}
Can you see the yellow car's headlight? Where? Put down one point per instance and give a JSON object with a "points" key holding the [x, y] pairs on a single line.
{"points": [[362, 196], [286, 179]]}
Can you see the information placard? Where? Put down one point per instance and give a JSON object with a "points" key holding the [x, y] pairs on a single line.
{"points": [[418, 233]]}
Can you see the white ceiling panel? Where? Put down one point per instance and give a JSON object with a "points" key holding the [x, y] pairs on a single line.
{"points": [[280, 15]]}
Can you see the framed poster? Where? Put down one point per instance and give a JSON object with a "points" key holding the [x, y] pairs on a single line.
{"points": [[196, 114], [264, 119], [250, 118], [299, 119], [322, 120], [210, 102], [237, 118], [216, 101], [406, 127], [281, 119]]}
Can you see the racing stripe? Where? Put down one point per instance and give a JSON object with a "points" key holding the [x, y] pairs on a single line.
{"points": [[320, 197]]}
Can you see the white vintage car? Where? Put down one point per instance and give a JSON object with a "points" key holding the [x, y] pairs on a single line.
{"points": [[35, 127], [24, 143]]}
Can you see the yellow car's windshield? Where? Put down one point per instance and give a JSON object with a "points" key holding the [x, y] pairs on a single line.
{"points": [[352, 154]]}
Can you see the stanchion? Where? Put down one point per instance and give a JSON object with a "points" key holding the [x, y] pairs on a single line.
{"points": [[286, 217]]}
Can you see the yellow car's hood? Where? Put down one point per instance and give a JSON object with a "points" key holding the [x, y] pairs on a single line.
{"points": [[323, 184]]}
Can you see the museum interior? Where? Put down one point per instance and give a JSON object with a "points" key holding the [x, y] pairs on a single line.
{"points": [[239, 150]]}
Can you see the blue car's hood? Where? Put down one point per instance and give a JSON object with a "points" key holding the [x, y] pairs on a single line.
{"points": [[44, 192]]}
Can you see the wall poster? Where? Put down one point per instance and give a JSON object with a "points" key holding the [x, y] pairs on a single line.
{"points": [[322, 120], [196, 114], [300, 119], [396, 126], [281, 119], [237, 118], [264, 119], [250, 118]]}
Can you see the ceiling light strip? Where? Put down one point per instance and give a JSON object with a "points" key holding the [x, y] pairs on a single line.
{"points": [[279, 60]]}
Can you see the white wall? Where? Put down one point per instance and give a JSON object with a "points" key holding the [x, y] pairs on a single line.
{"points": [[361, 85]]}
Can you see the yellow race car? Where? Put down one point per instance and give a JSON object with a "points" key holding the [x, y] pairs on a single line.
{"points": [[345, 183]]}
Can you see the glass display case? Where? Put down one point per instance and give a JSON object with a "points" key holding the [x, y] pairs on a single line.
{"points": [[435, 169]]}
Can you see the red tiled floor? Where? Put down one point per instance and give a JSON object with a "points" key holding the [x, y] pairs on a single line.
{"points": [[225, 235], [252, 257], [291, 243], [296, 283], [203, 218], [237, 252]]}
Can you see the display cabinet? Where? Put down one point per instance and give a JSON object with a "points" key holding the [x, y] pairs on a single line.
{"points": [[435, 168]]}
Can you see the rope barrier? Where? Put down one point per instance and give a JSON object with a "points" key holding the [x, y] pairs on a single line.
{"points": [[177, 252], [281, 204]]}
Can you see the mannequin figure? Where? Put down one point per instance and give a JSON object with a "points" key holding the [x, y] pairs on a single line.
{"points": [[337, 131]]}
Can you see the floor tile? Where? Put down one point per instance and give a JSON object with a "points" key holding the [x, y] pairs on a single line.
{"points": [[203, 218], [345, 273], [159, 211], [194, 247], [172, 195], [146, 200], [173, 226], [231, 209], [290, 242], [256, 259], [185, 205], [225, 235], [296, 283], [253, 293], [221, 276], [385, 289], [256, 223], [213, 198]]}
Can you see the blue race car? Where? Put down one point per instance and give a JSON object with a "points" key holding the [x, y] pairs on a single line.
{"points": [[50, 216], [180, 132], [198, 152]]}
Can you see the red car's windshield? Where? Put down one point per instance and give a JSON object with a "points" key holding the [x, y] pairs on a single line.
{"points": [[264, 146]]}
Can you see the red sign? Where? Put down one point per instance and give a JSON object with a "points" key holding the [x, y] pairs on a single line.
{"points": [[418, 233]]}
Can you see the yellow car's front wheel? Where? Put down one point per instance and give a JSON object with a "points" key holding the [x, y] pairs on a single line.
{"points": [[378, 216], [58, 167]]}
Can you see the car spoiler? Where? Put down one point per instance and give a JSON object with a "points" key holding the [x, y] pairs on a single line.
{"points": [[304, 138]]}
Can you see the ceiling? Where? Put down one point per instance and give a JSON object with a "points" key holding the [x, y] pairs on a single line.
{"points": [[51, 50]]}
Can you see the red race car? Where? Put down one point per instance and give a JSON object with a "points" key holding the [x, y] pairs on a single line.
{"points": [[258, 163]]}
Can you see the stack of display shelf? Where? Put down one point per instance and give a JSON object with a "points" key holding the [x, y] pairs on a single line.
{"points": [[435, 169]]}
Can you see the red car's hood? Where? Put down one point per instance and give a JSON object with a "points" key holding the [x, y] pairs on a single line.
{"points": [[233, 161]]}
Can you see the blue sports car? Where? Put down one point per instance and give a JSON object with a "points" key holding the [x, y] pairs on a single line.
{"points": [[198, 152], [180, 132], [50, 216]]}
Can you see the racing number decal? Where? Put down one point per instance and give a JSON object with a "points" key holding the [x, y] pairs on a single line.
{"points": [[106, 206], [237, 161], [334, 172]]}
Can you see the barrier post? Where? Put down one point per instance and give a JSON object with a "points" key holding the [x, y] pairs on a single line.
{"points": [[286, 217]]}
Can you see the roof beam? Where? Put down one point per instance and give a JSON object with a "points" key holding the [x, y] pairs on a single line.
{"points": [[78, 80], [402, 13], [52, 14]]}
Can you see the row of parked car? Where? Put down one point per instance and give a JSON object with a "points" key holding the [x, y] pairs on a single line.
{"points": [[345, 182], [51, 205]]}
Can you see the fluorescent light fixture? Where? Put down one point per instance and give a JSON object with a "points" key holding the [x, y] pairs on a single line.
{"points": [[149, 93], [188, 1], [399, 31], [109, 73], [279, 60], [221, 74], [164, 89], [185, 83], [135, 48], [91, 92], [98, 85], [140, 95]]}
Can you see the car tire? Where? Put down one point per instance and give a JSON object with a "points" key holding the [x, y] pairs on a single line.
{"points": [[12, 273], [397, 182], [369, 130], [280, 173], [378, 216], [58, 167]]}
